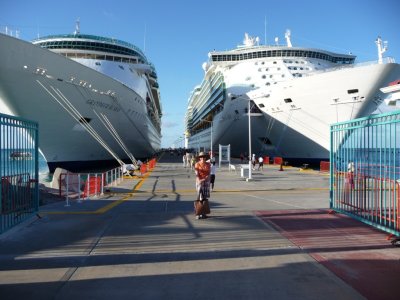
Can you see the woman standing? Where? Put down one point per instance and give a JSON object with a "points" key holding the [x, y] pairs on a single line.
{"points": [[202, 170]]}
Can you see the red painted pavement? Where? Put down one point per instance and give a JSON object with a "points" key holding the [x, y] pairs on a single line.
{"points": [[357, 253]]}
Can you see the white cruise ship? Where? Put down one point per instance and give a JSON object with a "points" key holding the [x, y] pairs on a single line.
{"points": [[217, 110], [306, 90], [96, 99]]}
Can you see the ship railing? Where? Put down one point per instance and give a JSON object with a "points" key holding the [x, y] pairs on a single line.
{"points": [[82, 186], [385, 60]]}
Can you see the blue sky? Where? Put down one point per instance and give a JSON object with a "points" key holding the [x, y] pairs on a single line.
{"points": [[176, 35]]}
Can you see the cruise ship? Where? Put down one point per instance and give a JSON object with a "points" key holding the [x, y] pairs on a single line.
{"points": [[306, 90], [218, 108], [96, 99]]}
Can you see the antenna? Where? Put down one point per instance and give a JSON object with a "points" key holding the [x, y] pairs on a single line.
{"points": [[382, 48], [287, 37], [144, 39], [77, 27], [265, 30]]}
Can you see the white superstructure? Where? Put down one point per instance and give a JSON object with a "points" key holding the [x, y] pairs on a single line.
{"points": [[319, 88], [218, 108], [96, 99]]}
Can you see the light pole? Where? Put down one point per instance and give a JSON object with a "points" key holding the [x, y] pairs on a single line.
{"points": [[250, 155], [249, 114]]}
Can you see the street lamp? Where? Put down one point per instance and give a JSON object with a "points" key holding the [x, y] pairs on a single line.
{"points": [[233, 96]]}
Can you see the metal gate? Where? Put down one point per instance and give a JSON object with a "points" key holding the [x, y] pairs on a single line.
{"points": [[365, 170], [19, 193]]}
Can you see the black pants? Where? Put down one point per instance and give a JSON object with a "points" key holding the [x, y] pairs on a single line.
{"points": [[212, 180]]}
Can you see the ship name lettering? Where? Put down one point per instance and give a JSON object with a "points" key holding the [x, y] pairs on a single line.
{"points": [[102, 105]]}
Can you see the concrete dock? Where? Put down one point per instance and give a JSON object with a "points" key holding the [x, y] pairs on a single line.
{"points": [[270, 238]]}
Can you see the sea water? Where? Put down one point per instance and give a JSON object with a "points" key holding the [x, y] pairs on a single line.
{"points": [[23, 164]]}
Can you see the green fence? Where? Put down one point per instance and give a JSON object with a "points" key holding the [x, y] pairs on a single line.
{"points": [[365, 170], [19, 193]]}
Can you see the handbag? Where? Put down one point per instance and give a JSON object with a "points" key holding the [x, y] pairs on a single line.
{"points": [[201, 207]]}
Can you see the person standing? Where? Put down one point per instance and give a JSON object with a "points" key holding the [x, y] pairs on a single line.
{"points": [[184, 160], [253, 161], [202, 169]]}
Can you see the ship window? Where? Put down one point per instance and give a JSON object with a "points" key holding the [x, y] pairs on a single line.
{"points": [[261, 105], [98, 64], [353, 91], [267, 83], [288, 100], [263, 77], [121, 67], [274, 62]]}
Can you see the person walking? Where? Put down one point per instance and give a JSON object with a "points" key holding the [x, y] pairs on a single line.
{"points": [[260, 163], [253, 161], [202, 169], [212, 175]]}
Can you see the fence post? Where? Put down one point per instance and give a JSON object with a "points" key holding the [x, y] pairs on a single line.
{"points": [[66, 191], [88, 187], [79, 188], [102, 184]]}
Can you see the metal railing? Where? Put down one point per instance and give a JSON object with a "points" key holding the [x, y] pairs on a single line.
{"points": [[19, 168], [365, 170], [82, 186]]}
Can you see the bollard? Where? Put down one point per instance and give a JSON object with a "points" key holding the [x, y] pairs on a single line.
{"points": [[281, 167]]}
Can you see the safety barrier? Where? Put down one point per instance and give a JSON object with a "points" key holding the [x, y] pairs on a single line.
{"points": [[19, 193], [83, 186], [278, 160], [365, 170], [145, 167], [324, 166]]}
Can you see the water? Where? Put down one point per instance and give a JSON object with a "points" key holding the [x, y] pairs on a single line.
{"points": [[373, 162], [11, 166]]}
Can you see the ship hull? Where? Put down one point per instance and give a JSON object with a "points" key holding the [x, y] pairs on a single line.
{"points": [[303, 109], [231, 127], [116, 114]]}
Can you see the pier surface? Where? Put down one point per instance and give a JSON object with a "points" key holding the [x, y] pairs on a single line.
{"points": [[270, 238]]}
